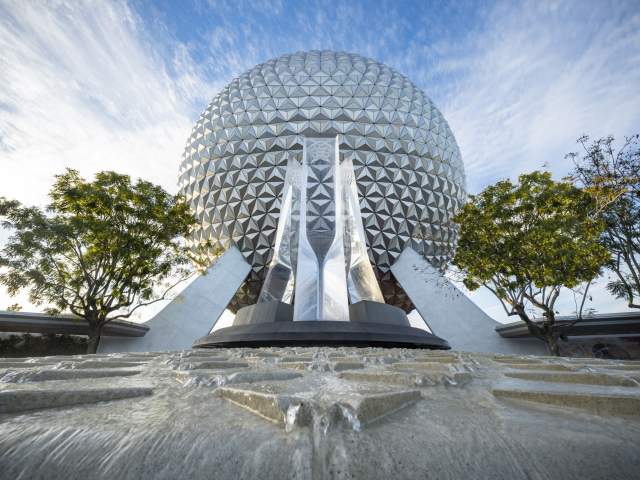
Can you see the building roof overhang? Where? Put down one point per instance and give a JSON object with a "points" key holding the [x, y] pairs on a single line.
{"points": [[619, 324], [64, 324]]}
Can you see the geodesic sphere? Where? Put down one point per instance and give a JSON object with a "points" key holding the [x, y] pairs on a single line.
{"points": [[407, 164]]}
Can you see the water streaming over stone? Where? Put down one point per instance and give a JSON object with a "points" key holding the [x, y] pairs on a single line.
{"points": [[312, 413]]}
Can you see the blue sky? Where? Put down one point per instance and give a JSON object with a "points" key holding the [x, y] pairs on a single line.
{"points": [[99, 85]]}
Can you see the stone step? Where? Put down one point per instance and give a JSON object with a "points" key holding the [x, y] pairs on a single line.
{"points": [[342, 358], [139, 355], [253, 377], [628, 368], [518, 360], [297, 358], [436, 359], [342, 366], [295, 365], [363, 409], [270, 406], [602, 400], [203, 358], [588, 378], [101, 364], [196, 378], [19, 364], [386, 377], [16, 401], [354, 410], [213, 365], [542, 366], [409, 378], [59, 374], [423, 366], [262, 354]]}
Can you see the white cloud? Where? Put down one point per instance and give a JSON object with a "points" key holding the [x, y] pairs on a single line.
{"points": [[534, 79], [84, 86], [538, 76]]}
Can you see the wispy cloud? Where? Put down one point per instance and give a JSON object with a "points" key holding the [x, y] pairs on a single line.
{"points": [[83, 86], [536, 77]]}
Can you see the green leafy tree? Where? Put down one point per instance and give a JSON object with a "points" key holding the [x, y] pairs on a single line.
{"points": [[613, 178], [101, 250], [525, 242]]}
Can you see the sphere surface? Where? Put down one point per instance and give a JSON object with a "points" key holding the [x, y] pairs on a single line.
{"points": [[408, 168]]}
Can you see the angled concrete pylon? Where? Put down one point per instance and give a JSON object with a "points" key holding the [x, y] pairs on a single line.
{"points": [[192, 314], [450, 314]]}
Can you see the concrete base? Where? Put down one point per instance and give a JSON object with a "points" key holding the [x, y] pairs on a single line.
{"points": [[318, 413], [322, 332], [370, 324], [449, 312], [192, 314]]}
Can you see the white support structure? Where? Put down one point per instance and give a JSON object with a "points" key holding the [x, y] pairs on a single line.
{"points": [[192, 314], [450, 314]]}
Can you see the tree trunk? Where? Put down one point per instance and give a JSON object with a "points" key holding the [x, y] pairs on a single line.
{"points": [[550, 330], [94, 338], [534, 329], [92, 344], [552, 344]]}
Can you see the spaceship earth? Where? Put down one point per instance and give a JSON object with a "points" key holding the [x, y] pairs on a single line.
{"points": [[409, 172]]}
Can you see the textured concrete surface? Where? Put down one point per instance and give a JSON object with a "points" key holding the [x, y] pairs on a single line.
{"points": [[192, 314], [314, 413]]}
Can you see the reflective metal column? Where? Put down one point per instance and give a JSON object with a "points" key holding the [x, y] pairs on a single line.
{"points": [[278, 285], [321, 285], [361, 280]]}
